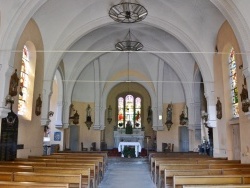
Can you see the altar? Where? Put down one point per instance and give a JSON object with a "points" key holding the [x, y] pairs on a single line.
{"points": [[120, 136], [137, 146]]}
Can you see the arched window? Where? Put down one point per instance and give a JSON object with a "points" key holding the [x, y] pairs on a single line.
{"points": [[27, 77], [129, 109], [24, 82], [233, 83]]}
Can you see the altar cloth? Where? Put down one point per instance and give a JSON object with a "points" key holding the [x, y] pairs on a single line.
{"points": [[136, 144]]}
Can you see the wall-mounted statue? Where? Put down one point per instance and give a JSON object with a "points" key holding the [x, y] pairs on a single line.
{"points": [[73, 116], [76, 118], [13, 84], [169, 122], [244, 93], [88, 112], [184, 116], [244, 99], [38, 105], [150, 114], [218, 109], [88, 121]]}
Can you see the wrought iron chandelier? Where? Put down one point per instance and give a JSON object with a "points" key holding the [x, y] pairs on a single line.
{"points": [[127, 12], [128, 44]]}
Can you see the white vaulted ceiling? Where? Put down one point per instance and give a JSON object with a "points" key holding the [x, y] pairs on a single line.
{"points": [[84, 25]]}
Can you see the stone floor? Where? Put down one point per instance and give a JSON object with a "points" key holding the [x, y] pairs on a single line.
{"points": [[127, 173]]}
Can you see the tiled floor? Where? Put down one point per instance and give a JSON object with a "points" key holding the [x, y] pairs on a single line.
{"points": [[127, 173]]}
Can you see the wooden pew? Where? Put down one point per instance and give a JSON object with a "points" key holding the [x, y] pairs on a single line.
{"points": [[87, 153], [36, 167], [6, 176], [98, 160], [54, 168], [15, 168], [180, 181], [69, 170], [191, 159], [25, 163], [80, 180], [168, 174], [8, 184], [216, 186], [162, 167], [53, 161], [91, 155], [167, 179], [159, 172]]}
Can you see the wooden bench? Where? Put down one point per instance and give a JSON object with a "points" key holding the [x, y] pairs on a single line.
{"points": [[53, 168], [168, 174], [182, 160], [159, 172], [8, 184], [25, 163], [162, 167], [70, 170], [180, 181], [96, 160], [15, 168], [216, 186], [6, 176], [81, 180], [90, 153], [167, 179], [67, 162]]}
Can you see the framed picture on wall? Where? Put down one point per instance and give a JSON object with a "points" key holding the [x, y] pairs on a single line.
{"points": [[57, 136]]}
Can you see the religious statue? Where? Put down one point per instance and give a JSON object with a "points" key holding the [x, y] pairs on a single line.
{"points": [[88, 121], [88, 112], [13, 84], [244, 93], [38, 105], [218, 109], [150, 113], [244, 99], [184, 116], [169, 112], [129, 128], [76, 118], [169, 122]]}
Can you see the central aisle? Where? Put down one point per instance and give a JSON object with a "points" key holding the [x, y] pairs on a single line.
{"points": [[127, 173]]}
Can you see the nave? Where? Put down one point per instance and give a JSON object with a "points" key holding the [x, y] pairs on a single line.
{"points": [[127, 173]]}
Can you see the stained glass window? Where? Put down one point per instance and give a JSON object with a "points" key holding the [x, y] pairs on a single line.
{"points": [[24, 82], [120, 112], [129, 109], [233, 83]]}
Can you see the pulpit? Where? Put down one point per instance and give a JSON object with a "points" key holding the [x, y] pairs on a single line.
{"points": [[121, 136]]}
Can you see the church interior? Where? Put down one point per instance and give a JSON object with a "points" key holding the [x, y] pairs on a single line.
{"points": [[84, 75]]}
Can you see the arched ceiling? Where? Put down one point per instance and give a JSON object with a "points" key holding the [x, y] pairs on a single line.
{"points": [[61, 24]]}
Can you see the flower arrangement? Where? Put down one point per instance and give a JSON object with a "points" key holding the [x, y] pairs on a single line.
{"points": [[128, 152]]}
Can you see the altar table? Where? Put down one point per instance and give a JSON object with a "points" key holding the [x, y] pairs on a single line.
{"points": [[136, 144]]}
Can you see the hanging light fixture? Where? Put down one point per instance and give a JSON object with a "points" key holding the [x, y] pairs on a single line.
{"points": [[128, 12], [129, 44]]}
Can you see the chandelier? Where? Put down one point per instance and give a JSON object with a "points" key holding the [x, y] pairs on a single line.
{"points": [[128, 44], [127, 12]]}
